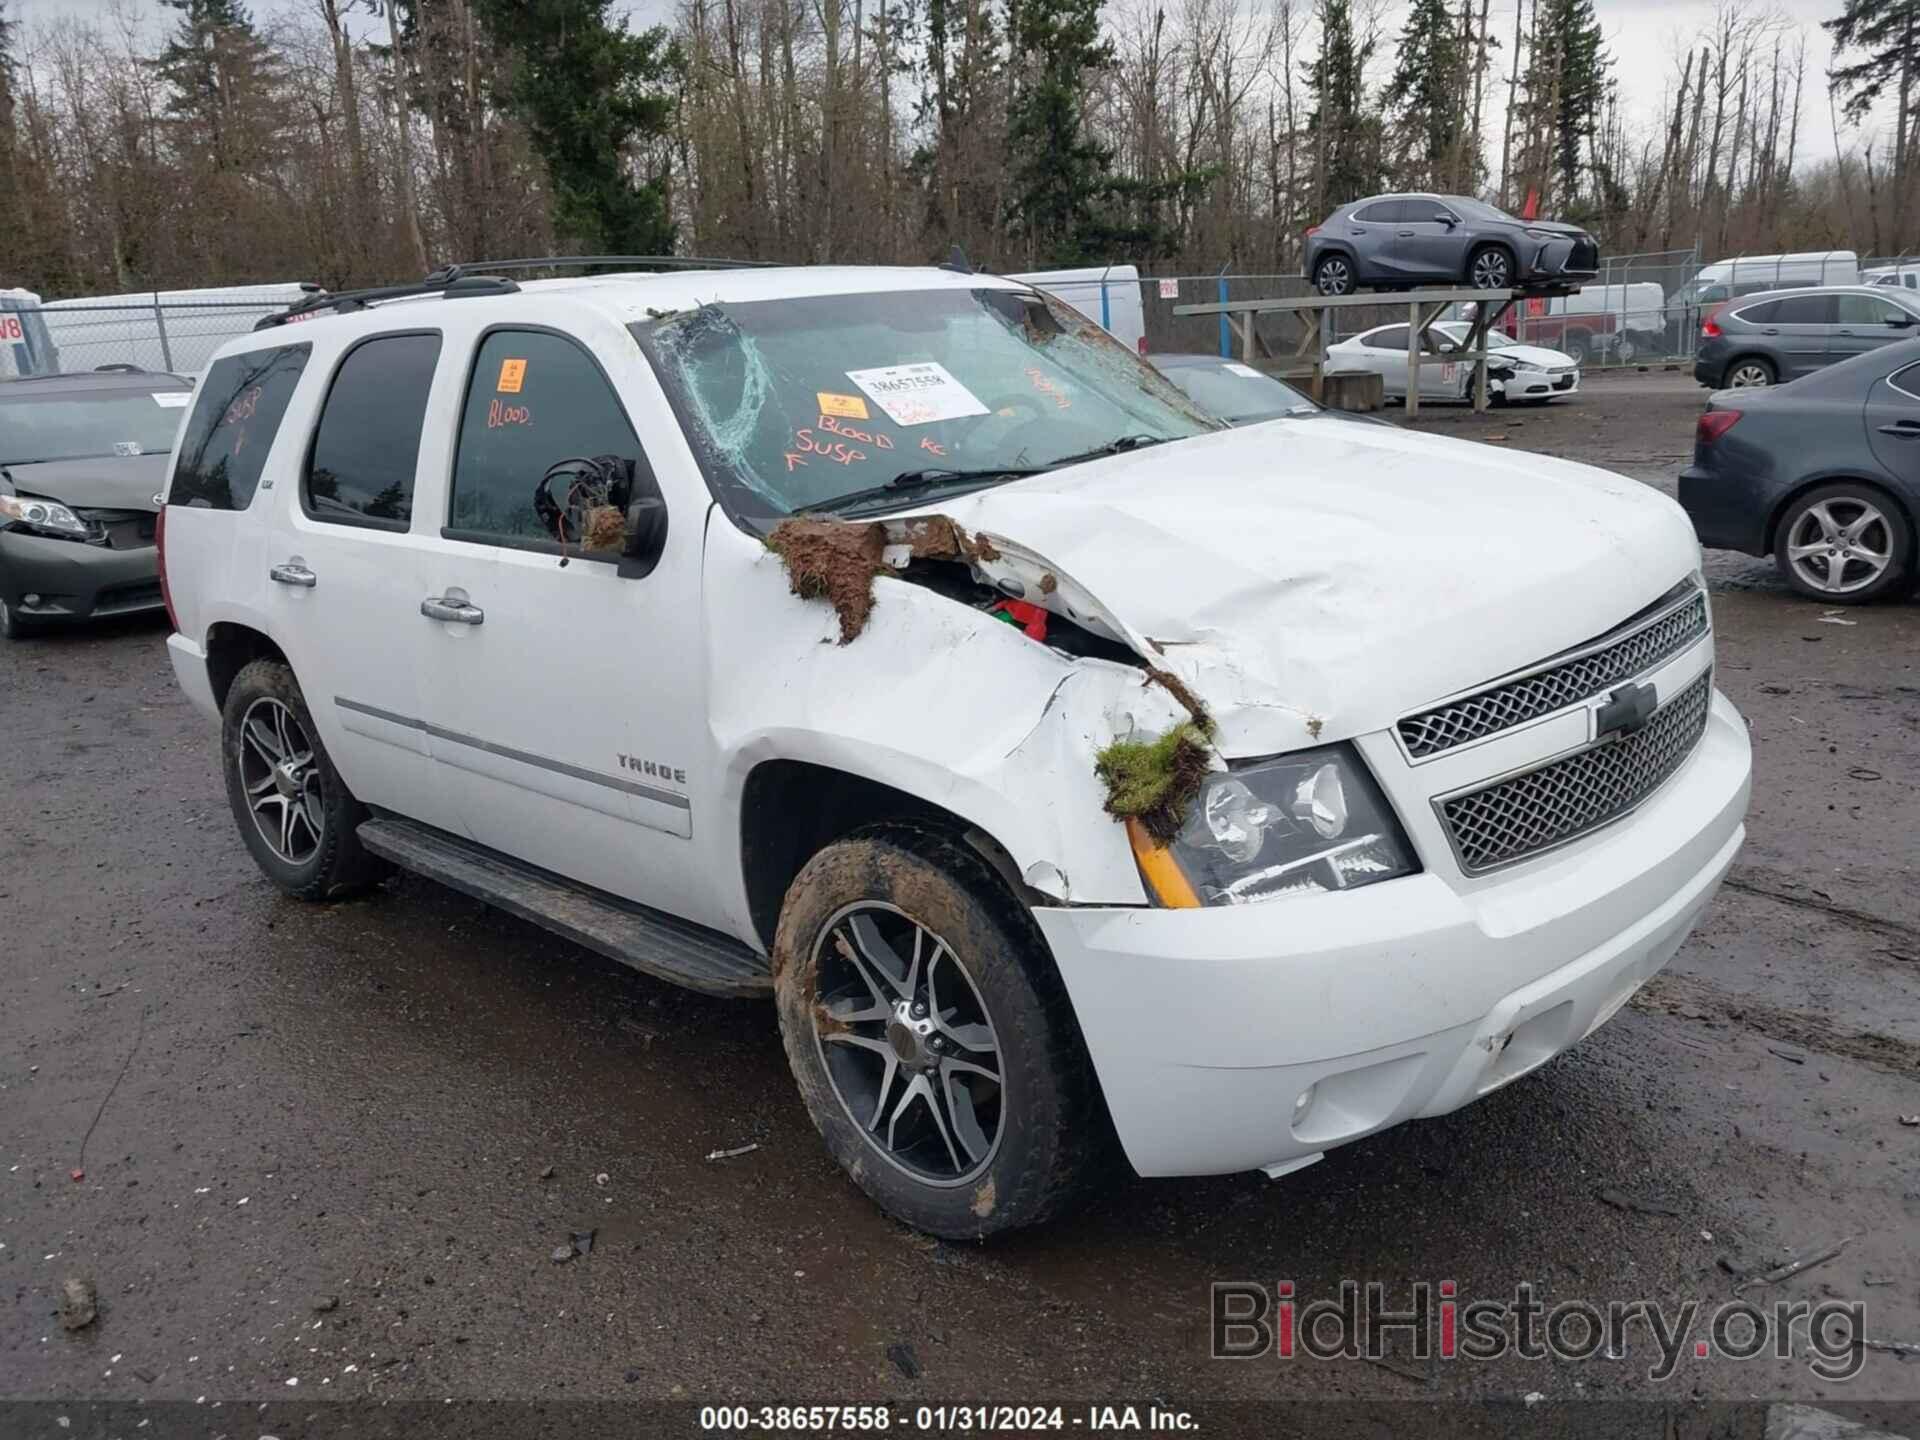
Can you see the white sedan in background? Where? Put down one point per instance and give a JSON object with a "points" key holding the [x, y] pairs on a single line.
{"points": [[1515, 372]]}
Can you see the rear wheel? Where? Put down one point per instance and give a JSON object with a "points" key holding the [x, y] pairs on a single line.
{"points": [[1749, 372], [1334, 275], [295, 813], [1844, 543], [931, 1037]]}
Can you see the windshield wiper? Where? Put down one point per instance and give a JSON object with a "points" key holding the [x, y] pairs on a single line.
{"points": [[1119, 446], [931, 478]]}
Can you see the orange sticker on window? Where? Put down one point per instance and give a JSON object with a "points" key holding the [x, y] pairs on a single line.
{"points": [[847, 407], [513, 374]]}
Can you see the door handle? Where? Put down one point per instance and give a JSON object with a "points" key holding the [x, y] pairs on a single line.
{"points": [[1769, 332], [293, 573], [1404, 234], [453, 607], [1905, 429]]}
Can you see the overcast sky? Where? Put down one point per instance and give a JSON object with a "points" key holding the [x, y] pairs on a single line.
{"points": [[1645, 36]]}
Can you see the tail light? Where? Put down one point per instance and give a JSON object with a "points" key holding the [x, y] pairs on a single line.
{"points": [[1313, 230], [1713, 424], [1710, 327], [160, 555]]}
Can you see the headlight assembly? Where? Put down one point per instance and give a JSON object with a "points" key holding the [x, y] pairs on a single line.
{"points": [[48, 516], [1299, 824]]}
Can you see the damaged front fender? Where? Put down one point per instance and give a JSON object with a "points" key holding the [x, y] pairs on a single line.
{"points": [[933, 697]]}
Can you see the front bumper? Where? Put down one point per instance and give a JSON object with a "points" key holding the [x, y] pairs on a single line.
{"points": [[76, 581], [1256, 1037], [1555, 260], [1539, 384]]}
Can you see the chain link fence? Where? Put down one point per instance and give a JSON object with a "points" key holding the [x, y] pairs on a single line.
{"points": [[159, 332], [1638, 311]]}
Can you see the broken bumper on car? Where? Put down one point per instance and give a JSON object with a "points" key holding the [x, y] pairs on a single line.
{"points": [[1259, 1036], [1537, 384]]}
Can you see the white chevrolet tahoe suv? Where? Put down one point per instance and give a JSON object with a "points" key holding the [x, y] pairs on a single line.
{"points": [[1077, 771]]}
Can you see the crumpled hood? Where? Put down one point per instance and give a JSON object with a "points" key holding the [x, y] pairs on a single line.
{"points": [[110, 482], [1316, 581]]}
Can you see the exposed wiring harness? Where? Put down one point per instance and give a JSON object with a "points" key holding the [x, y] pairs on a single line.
{"points": [[583, 500]]}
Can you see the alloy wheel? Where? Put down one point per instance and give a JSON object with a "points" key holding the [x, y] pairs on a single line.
{"points": [[282, 781], [1492, 270], [1335, 276], [1840, 545], [1748, 376], [907, 1044]]}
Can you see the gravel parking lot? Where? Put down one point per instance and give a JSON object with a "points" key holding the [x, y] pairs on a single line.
{"points": [[338, 1145]]}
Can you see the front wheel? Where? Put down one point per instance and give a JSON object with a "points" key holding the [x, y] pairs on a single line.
{"points": [[295, 813], [1490, 268], [1334, 275], [1844, 543], [12, 625], [931, 1037]]}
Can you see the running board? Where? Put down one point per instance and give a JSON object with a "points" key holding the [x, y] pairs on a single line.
{"points": [[651, 942]]}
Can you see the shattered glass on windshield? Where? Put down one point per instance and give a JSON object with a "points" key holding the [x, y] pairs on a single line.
{"points": [[797, 404]]}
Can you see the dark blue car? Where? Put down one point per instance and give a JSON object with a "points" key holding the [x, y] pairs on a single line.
{"points": [[1823, 474]]}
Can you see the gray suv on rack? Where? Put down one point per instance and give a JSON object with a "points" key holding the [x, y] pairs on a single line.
{"points": [[1780, 335], [1398, 241]]}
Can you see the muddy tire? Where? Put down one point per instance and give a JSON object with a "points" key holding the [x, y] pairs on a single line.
{"points": [[14, 626], [931, 1036], [295, 813]]}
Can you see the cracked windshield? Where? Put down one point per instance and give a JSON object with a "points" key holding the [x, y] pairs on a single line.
{"points": [[850, 402]]}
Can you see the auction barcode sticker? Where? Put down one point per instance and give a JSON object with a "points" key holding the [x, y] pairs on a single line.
{"points": [[917, 394]]}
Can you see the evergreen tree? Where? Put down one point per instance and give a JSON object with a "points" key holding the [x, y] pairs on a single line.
{"points": [[1566, 89], [1425, 91], [223, 81], [1885, 36], [592, 94], [1059, 172], [1346, 132]]}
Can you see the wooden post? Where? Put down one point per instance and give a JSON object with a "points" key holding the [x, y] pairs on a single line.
{"points": [[1413, 359], [1246, 337]]}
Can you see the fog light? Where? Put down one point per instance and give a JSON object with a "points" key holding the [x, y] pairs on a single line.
{"points": [[32, 597], [1306, 1099]]}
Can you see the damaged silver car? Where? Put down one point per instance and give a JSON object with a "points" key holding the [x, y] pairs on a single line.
{"points": [[1075, 773]]}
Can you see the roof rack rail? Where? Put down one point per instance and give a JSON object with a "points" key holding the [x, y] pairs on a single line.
{"points": [[469, 278], [452, 282], [562, 262]]}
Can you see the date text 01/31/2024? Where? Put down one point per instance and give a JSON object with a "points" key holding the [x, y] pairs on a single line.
{"points": [[1017, 1419]]}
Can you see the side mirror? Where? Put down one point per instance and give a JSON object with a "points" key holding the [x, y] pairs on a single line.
{"points": [[646, 534], [1448, 219], [1899, 322]]}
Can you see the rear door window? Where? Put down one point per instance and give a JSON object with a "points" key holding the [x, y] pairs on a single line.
{"points": [[1805, 310], [367, 444], [534, 399], [1387, 212], [242, 401]]}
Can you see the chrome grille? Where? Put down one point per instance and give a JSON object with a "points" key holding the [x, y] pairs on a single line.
{"points": [[1556, 687], [1514, 818]]}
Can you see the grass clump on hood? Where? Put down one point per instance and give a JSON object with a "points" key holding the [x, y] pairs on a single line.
{"points": [[1154, 781]]}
